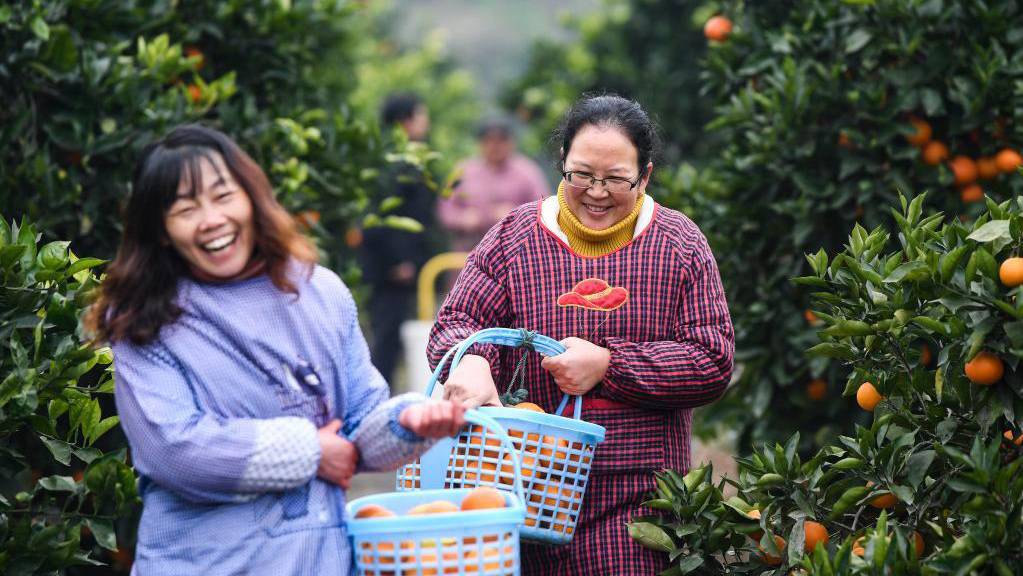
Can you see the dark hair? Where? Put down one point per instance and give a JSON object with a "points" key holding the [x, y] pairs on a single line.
{"points": [[495, 124], [399, 107], [138, 291], [611, 111]]}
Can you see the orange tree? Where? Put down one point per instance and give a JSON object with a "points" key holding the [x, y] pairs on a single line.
{"points": [[86, 84], [60, 494], [827, 110], [932, 484], [822, 111]]}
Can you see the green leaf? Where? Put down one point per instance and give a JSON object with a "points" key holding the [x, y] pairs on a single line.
{"points": [[83, 264], [102, 427], [651, 536], [103, 531], [61, 450], [832, 350], [910, 272], [857, 40], [931, 101], [690, 563], [58, 483], [994, 230], [40, 28]]}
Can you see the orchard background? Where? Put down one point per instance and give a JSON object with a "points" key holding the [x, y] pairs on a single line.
{"points": [[854, 164]]}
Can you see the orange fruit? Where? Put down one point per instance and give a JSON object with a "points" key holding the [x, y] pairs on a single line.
{"points": [[429, 562], [868, 397], [964, 169], [482, 498], [817, 389], [918, 543], [1011, 272], [815, 533], [843, 140], [771, 559], [987, 168], [374, 511], [754, 514], [491, 560], [934, 153], [884, 501], [194, 93], [925, 355], [971, 193], [810, 317], [985, 369], [1008, 160], [858, 548], [922, 134], [193, 51], [717, 28], [1009, 436], [353, 238], [529, 406], [435, 507]]}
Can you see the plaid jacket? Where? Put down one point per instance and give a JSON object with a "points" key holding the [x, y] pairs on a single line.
{"points": [[657, 304]]}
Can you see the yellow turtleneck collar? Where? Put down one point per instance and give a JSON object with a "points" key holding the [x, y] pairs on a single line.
{"points": [[589, 242]]}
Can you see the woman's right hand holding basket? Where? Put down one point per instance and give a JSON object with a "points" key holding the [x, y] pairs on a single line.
{"points": [[472, 383]]}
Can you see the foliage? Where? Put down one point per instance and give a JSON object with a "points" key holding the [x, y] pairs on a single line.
{"points": [[449, 92], [89, 82], [814, 101], [631, 48], [59, 494], [942, 448]]}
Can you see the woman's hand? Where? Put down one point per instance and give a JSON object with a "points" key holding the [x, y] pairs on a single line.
{"points": [[338, 457], [472, 383], [434, 419], [580, 367]]}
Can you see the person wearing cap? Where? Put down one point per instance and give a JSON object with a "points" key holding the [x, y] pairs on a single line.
{"points": [[489, 186]]}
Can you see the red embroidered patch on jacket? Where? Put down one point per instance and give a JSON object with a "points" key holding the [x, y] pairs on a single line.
{"points": [[595, 294]]}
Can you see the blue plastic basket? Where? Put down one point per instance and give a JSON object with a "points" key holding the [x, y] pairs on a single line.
{"points": [[555, 452], [478, 542]]}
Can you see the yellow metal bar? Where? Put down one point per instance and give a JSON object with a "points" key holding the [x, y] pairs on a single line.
{"points": [[427, 289]]}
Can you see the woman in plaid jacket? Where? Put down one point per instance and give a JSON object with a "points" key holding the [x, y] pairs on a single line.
{"points": [[633, 291]]}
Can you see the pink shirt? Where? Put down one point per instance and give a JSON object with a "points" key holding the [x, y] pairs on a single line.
{"points": [[486, 194]]}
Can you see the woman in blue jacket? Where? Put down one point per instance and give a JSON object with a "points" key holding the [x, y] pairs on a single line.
{"points": [[243, 380]]}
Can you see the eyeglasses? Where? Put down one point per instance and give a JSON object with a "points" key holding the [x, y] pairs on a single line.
{"points": [[613, 184]]}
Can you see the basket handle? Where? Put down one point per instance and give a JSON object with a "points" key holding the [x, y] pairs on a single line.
{"points": [[504, 337], [480, 419]]}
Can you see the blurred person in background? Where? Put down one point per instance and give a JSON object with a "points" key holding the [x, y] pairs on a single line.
{"points": [[391, 258], [489, 186]]}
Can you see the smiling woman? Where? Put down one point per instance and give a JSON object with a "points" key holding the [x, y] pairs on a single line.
{"points": [[243, 381], [210, 222], [632, 290]]}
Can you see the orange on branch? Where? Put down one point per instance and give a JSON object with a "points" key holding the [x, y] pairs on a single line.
{"points": [[987, 168], [934, 153], [971, 193], [964, 170], [1008, 160], [922, 135], [1011, 272], [771, 559], [717, 28], [985, 369], [817, 389], [815, 533], [868, 397]]}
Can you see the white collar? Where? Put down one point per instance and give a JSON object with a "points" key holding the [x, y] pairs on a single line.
{"points": [[550, 208]]}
